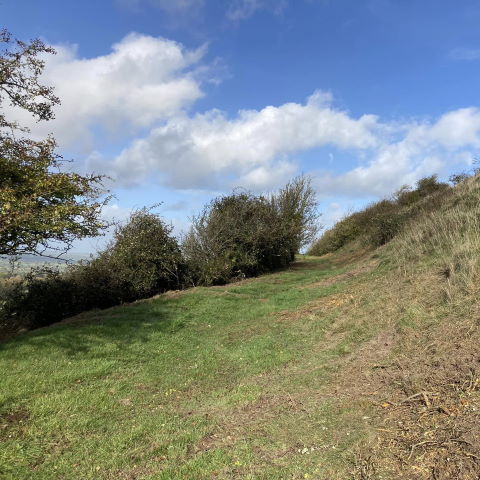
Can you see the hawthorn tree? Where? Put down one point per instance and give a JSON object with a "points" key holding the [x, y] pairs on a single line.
{"points": [[297, 206], [42, 208]]}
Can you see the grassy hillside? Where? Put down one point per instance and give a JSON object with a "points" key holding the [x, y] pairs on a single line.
{"points": [[360, 364]]}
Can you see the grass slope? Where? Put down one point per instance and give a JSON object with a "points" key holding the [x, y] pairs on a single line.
{"points": [[208, 383], [355, 365]]}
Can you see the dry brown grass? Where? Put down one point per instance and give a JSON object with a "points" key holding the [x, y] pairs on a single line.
{"points": [[429, 405], [447, 239], [422, 371]]}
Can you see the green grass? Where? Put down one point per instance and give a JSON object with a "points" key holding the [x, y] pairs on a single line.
{"points": [[216, 382], [279, 377]]}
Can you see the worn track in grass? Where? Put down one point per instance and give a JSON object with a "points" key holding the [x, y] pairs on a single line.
{"points": [[322, 371]]}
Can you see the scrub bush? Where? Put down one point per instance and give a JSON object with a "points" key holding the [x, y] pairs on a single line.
{"points": [[381, 221], [242, 234], [143, 259]]}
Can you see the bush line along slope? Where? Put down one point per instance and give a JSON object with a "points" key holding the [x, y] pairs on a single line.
{"points": [[235, 236], [379, 222]]}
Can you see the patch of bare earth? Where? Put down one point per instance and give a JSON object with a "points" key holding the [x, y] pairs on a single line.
{"points": [[13, 423], [425, 385], [345, 276], [315, 307], [430, 427], [252, 421], [233, 426]]}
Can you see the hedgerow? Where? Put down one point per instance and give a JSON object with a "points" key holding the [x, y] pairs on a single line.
{"points": [[234, 236], [381, 221]]}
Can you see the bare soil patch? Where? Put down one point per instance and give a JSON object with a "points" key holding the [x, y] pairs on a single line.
{"points": [[13, 423], [427, 397]]}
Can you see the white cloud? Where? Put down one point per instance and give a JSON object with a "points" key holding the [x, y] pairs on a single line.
{"points": [[424, 150], [147, 84], [267, 177], [116, 213], [332, 213], [459, 128], [143, 80], [391, 167], [243, 9], [257, 149], [207, 149]]}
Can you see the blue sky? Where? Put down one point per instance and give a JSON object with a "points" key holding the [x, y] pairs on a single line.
{"points": [[182, 100]]}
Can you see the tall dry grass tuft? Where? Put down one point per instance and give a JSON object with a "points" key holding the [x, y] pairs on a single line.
{"points": [[447, 239]]}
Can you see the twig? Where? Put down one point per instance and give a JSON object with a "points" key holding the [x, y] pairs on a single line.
{"points": [[431, 442], [468, 454], [419, 394], [459, 440]]}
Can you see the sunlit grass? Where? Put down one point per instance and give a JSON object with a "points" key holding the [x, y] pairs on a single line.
{"points": [[190, 385]]}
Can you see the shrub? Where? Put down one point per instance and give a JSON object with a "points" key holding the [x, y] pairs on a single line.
{"points": [[235, 236], [381, 221], [296, 205], [143, 259], [42, 297], [9, 292], [242, 234], [345, 231], [405, 196], [96, 285]]}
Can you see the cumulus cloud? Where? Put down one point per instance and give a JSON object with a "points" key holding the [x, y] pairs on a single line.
{"points": [[456, 129], [266, 177], [142, 81], [203, 150], [258, 149], [145, 86], [423, 150]]}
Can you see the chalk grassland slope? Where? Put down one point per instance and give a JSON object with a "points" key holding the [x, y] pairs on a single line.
{"points": [[355, 365], [208, 383]]}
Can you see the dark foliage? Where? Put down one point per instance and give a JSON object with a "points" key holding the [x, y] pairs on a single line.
{"points": [[143, 259], [379, 222], [242, 234], [235, 236]]}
